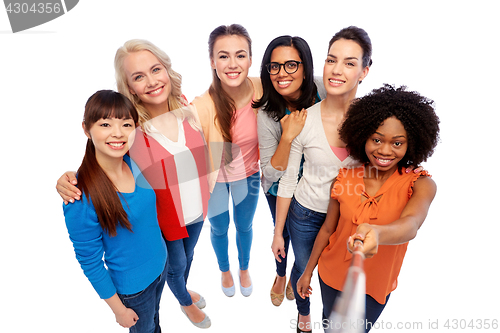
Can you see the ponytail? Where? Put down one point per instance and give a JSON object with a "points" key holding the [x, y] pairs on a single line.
{"points": [[95, 184]]}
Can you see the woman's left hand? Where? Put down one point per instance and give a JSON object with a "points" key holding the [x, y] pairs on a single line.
{"points": [[369, 235], [417, 170]]}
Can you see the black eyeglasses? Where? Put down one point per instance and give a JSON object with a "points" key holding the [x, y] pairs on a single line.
{"points": [[290, 66]]}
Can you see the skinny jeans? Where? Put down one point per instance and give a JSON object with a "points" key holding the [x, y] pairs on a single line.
{"points": [[244, 194]]}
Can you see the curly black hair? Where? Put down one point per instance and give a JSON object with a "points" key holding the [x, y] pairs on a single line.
{"points": [[414, 111]]}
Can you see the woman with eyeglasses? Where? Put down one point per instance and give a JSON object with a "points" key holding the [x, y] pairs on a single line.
{"points": [[289, 88], [303, 205]]}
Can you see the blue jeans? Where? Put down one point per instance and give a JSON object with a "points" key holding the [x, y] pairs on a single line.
{"points": [[280, 266], [146, 305], [180, 256], [245, 195], [329, 295], [303, 226]]}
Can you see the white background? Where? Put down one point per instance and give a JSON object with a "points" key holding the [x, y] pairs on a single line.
{"points": [[446, 50]]}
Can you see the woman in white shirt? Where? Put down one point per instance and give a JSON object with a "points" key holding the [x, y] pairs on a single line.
{"points": [[305, 203]]}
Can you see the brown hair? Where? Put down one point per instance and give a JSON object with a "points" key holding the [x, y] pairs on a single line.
{"points": [[224, 104], [358, 36], [92, 180]]}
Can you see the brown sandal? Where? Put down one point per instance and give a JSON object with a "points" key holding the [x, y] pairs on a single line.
{"points": [[276, 299], [289, 291]]}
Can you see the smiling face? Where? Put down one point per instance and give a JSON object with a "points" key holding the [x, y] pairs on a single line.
{"points": [[148, 79], [112, 138], [231, 60], [287, 85], [344, 68], [387, 146]]}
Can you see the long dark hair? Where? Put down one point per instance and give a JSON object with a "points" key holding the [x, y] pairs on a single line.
{"points": [[92, 180], [224, 104], [274, 104]]}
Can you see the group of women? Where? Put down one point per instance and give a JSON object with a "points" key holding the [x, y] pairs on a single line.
{"points": [[193, 156]]}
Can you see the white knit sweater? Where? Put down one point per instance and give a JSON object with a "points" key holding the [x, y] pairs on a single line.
{"points": [[321, 165]]}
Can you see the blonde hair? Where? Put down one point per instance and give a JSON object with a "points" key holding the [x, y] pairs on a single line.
{"points": [[175, 100]]}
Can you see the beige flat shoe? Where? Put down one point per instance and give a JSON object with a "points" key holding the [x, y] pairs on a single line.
{"points": [[276, 299]]}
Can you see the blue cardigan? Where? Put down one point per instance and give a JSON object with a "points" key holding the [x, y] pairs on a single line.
{"points": [[133, 259]]}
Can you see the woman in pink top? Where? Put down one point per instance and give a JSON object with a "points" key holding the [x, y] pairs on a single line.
{"points": [[230, 127]]}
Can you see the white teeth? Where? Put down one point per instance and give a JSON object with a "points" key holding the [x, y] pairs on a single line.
{"points": [[284, 82], [156, 91], [233, 74], [383, 161], [116, 144], [335, 81]]}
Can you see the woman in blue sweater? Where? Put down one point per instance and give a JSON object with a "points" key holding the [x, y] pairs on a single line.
{"points": [[117, 217]]}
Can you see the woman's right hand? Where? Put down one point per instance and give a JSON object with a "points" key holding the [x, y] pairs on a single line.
{"points": [[293, 123], [278, 247], [127, 318], [66, 187], [304, 285]]}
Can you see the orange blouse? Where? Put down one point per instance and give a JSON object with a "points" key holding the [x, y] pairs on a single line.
{"points": [[381, 270]]}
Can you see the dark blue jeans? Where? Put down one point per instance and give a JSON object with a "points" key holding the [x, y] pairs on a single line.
{"points": [[372, 312], [303, 226], [146, 305], [180, 256], [280, 266]]}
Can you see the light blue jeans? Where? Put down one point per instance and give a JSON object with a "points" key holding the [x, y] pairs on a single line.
{"points": [[245, 195]]}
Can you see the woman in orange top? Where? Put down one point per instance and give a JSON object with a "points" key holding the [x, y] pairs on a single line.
{"points": [[378, 203]]}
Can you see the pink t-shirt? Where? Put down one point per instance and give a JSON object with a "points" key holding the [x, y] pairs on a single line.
{"points": [[341, 153], [245, 147]]}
